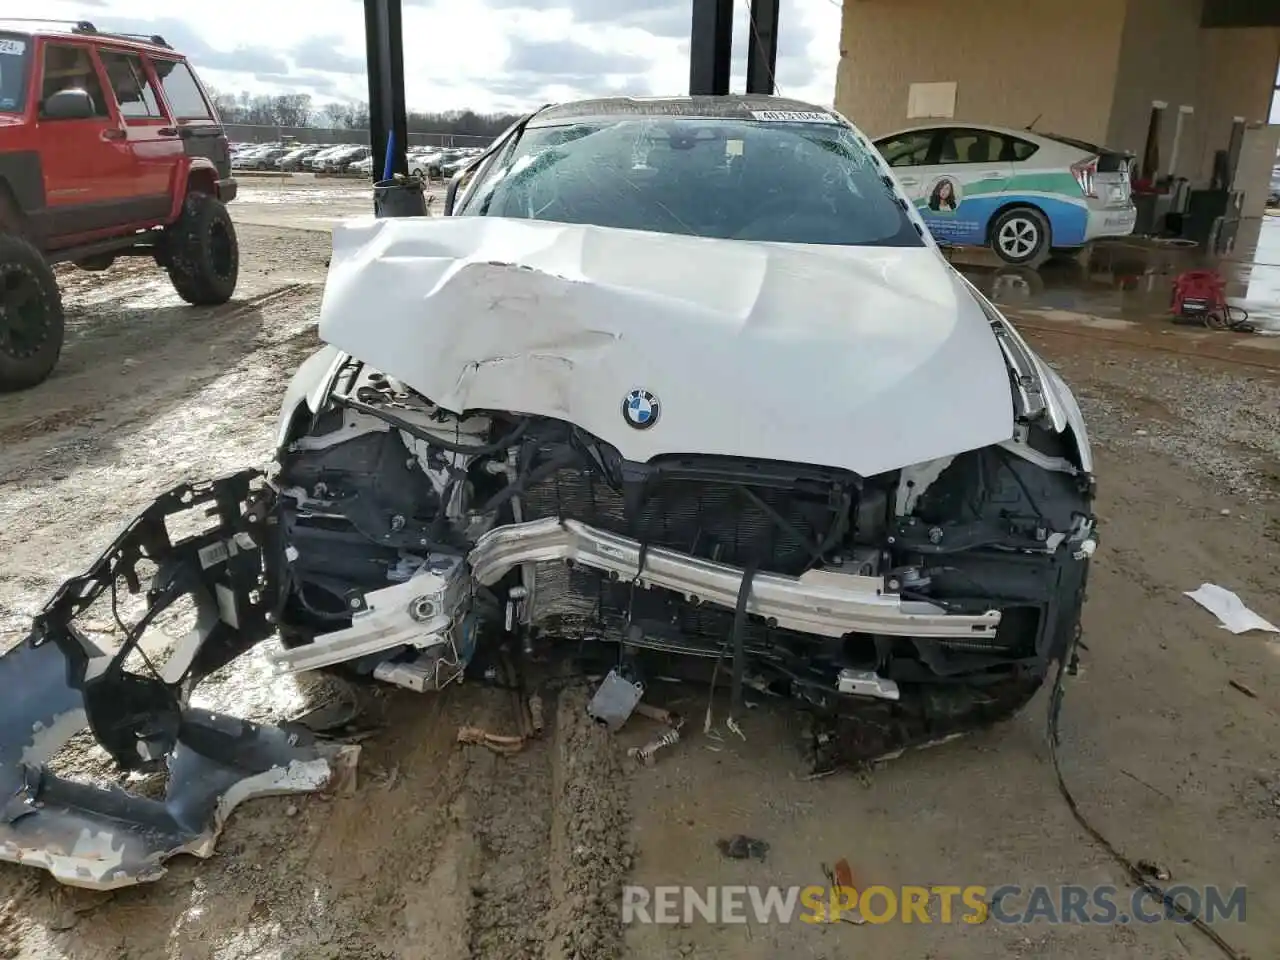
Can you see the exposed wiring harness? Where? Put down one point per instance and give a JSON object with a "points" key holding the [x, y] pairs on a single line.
{"points": [[434, 439], [1136, 876]]}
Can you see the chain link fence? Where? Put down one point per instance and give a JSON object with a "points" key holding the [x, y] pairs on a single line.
{"points": [[265, 133]]}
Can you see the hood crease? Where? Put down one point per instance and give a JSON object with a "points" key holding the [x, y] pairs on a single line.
{"points": [[865, 358]]}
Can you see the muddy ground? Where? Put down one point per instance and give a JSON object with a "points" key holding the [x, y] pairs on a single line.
{"points": [[450, 852]]}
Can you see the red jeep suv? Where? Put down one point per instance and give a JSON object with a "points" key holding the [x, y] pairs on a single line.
{"points": [[109, 147]]}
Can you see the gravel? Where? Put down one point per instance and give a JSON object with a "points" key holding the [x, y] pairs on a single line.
{"points": [[1222, 424]]}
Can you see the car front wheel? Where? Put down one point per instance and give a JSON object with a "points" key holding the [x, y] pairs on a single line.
{"points": [[203, 255], [1021, 237], [31, 321]]}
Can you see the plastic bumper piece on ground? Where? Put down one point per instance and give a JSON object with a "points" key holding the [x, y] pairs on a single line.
{"points": [[59, 681]]}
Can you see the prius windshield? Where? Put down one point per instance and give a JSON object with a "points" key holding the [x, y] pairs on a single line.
{"points": [[782, 181]]}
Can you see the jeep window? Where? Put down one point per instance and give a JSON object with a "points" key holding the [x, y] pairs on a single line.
{"points": [[181, 90], [131, 85], [782, 181], [71, 68], [14, 58]]}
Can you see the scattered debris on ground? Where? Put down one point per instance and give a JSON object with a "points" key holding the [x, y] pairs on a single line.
{"points": [[742, 847]]}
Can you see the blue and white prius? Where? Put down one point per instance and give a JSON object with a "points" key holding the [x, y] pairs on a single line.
{"points": [[1023, 194]]}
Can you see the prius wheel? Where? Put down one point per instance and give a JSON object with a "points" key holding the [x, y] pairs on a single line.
{"points": [[1021, 237], [31, 320]]}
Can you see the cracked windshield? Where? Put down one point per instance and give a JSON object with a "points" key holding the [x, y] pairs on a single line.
{"points": [[763, 180]]}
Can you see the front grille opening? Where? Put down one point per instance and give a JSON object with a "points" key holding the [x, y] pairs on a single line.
{"points": [[713, 520]]}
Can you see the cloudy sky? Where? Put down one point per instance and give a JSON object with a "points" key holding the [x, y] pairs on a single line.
{"points": [[487, 55]]}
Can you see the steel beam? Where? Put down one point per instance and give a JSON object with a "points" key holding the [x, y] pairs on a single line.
{"points": [[384, 44], [710, 47], [762, 52]]}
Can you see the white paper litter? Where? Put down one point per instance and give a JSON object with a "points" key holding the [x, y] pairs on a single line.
{"points": [[1230, 609]]}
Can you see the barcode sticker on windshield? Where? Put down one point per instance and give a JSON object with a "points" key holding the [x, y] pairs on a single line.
{"points": [[793, 116], [13, 48]]}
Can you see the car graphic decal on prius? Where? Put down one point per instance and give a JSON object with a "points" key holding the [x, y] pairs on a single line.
{"points": [[967, 218]]}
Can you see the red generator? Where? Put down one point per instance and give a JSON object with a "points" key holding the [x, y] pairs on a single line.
{"points": [[1200, 296]]}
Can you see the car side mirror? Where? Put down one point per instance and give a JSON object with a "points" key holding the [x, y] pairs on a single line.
{"points": [[460, 180], [73, 104], [456, 183]]}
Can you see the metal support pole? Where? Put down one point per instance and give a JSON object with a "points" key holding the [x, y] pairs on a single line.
{"points": [[762, 52], [710, 47], [384, 39]]}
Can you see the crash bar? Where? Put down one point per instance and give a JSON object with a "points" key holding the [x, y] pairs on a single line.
{"points": [[821, 602]]}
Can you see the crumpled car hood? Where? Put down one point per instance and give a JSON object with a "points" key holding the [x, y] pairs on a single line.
{"points": [[866, 358]]}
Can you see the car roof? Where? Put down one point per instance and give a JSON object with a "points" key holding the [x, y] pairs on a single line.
{"points": [[1042, 138], [732, 107], [83, 30], [959, 125]]}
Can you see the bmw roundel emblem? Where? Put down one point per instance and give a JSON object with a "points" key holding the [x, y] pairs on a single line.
{"points": [[641, 409]]}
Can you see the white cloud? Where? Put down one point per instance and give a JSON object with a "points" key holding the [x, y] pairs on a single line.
{"points": [[485, 55]]}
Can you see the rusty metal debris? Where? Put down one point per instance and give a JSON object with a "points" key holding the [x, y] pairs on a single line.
{"points": [[645, 754], [651, 712], [742, 847], [841, 884], [498, 743]]}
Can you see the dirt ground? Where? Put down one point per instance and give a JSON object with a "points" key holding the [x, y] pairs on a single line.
{"points": [[450, 852]]}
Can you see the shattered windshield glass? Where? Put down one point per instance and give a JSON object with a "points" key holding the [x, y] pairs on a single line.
{"points": [[14, 56], [791, 182]]}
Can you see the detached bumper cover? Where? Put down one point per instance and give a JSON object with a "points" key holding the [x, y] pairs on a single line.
{"points": [[58, 682], [819, 602]]}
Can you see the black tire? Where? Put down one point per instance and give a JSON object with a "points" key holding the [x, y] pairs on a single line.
{"points": [[31, 320], [203, 255], [1021, 237]]}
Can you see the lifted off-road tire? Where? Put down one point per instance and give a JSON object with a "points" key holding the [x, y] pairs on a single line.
{"points": [[202, 252], [31, 321]]}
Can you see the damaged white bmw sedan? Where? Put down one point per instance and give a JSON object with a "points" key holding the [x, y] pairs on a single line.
{"points": [[680, 385]]}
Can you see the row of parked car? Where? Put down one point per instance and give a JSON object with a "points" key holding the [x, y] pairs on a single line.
{"points": [[425, 162]]}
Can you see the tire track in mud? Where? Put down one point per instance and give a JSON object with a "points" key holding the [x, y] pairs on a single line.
{"points": [[533, 863], [77, 414]]}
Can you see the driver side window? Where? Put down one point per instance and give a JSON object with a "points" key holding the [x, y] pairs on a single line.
{"points": [[71, 68]]}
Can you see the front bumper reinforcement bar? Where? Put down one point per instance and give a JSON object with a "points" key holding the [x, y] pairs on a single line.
{"points": [[819, 602], [58, 681]]}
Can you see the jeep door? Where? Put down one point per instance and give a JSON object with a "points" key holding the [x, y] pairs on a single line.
{"points": [[85, 171], [148, 131]]}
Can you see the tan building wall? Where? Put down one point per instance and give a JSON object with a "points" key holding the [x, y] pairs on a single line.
{"points": [[1221, 74], [1158, 61], [1010, 60], [1237, 79], [1090, 68]]}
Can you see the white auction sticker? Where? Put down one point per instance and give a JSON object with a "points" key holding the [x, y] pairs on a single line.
{"points": [[12, 48], [793, 116]]}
